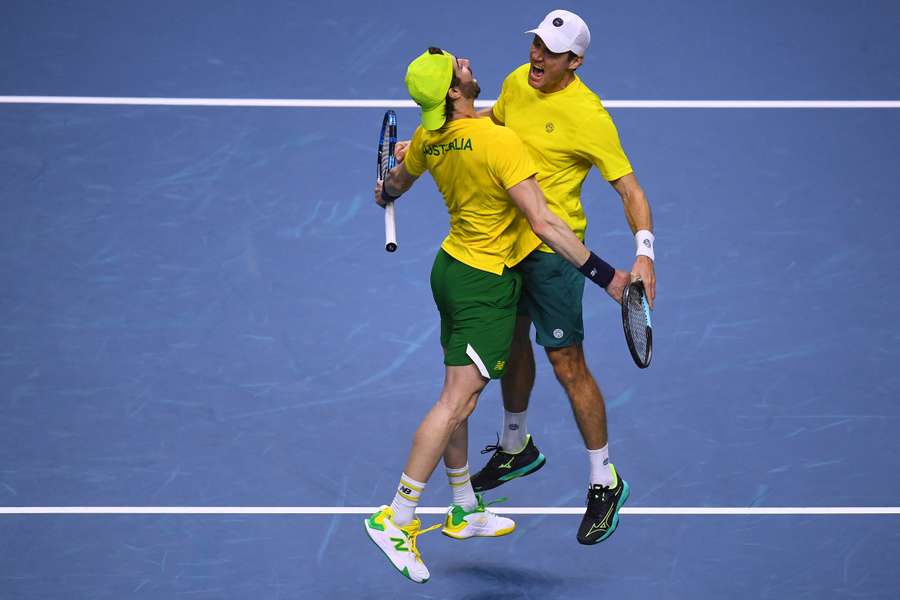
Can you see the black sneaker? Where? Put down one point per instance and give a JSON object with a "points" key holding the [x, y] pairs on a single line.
{"points": [[602, 515], [504, 466]]}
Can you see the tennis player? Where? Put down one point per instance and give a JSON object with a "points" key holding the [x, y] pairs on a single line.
{"points": [[567, 131], [498, 216]]}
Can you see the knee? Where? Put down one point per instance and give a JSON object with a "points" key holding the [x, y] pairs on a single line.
{"points": [[568, 365], [457, 407]]}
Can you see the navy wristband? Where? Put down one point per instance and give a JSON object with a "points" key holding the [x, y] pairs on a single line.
{"points": [[387, 197], [597, 270]]}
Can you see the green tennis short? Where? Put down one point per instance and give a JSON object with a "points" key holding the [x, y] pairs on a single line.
{"points": [[552, 298], [478, 313]]}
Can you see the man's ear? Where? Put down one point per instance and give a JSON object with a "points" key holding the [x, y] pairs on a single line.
{"points": [[455, 93], [576, 62]]}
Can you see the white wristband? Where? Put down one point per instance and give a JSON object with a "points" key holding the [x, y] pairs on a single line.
{"points": [[644, 241]]}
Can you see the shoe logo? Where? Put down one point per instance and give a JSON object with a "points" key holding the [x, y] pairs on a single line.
{"points": [[513, 427], [602, 525], [597, 527], [399, 544], [507, 465]]}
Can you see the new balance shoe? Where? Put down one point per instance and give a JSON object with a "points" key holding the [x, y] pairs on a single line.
{"points": [[399, 543], [506, 466], [479, 522], [602, 515]]}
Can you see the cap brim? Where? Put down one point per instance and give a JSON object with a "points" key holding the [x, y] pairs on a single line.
{"points": [[551, 39], [433, 118]]}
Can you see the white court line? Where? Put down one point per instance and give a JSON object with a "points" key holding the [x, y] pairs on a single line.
{"points": [[326, 103], [437, 510]]}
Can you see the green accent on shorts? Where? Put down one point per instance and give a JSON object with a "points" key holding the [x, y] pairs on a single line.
{"points": [[552, 298], [478, 313]]}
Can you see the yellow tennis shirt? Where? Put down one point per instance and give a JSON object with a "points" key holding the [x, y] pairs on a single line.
{"points": [[566, 132], [473, 162]]}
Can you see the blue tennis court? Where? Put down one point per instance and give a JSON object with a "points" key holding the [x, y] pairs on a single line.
{"points": [[198, 315]]}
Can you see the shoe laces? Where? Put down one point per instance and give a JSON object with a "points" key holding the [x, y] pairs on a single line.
{"points": [[412, 531], [492, 447], [482, 507], [598, 492]]}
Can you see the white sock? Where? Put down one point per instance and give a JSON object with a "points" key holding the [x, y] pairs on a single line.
{"points": [[600, 471], [406, 500], [515, 431], [461, 484]]}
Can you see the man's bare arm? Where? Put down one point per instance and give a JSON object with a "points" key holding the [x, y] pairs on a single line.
{"points": [[554, 232], [397, 182], [637, 212]]}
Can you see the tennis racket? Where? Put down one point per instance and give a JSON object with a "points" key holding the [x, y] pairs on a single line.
{"points": [[386, 161], [636, 321]]}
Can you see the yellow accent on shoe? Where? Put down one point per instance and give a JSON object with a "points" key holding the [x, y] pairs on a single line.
{"points": [[412, 532], [399, 543], [461, 524], [615, 481]]}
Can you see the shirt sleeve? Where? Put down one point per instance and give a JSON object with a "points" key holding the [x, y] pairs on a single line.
{"points": [[415, 158], [509, 160], [600, 144]]}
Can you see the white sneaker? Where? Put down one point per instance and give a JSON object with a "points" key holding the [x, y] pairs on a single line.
{"points": [[399, 543], [480, 522]]}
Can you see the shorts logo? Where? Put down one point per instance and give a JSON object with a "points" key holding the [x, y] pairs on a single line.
{"points": [[549, 127], [558, 333]]}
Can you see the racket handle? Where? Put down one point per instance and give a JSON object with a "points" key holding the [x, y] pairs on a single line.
{"points": [[390, 228]]}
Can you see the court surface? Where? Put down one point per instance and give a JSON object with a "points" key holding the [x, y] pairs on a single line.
{"points": [[198, 313]]}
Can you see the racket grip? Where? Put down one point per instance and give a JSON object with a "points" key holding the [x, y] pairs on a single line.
{"points": [[390, 228]]}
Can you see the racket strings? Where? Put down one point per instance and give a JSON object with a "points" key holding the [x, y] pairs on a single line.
{"points": [[383, 153], [637, 324]]}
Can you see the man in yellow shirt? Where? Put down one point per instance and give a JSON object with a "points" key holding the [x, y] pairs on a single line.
{"points": [[485, 174], [567, 131]]}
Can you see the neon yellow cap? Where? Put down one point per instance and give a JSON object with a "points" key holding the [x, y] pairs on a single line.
{"points": [[428, 78]]}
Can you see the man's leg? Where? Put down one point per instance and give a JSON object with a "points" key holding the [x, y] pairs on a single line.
{"points": [[462, 385], [607, 492], [468, 515], [394, 529], [518, 380], [515, 455], [584, 394]]}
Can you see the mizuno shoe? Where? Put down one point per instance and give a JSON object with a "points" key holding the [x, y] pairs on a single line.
{"points": [[505, 466], [399, 543], [480, 522], [602, 515]]}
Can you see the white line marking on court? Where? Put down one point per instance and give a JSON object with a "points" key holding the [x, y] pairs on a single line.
{"points": [[326, 103], [438, 510]]}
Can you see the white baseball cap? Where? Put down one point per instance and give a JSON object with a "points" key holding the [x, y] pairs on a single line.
{"points": [[564, 31]]}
